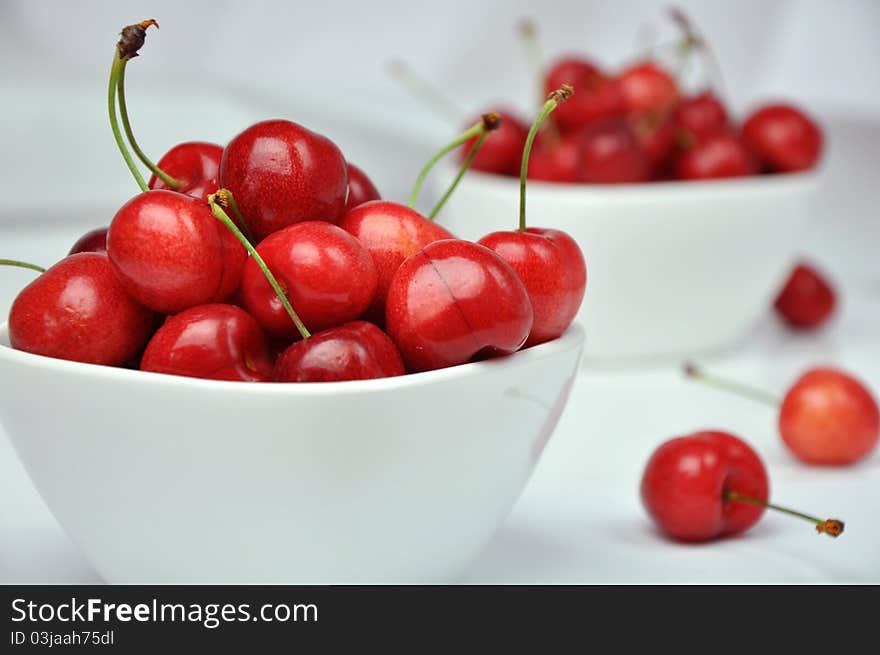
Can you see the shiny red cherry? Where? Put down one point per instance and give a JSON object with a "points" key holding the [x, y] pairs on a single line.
{"points": [[360, 188], [647, 88], [282, 173], [78, 310], [390, 232], [548, 262], [170, 253], [327, 275], [686, 484], [719, 155], [195, 165], [355, 351], [551, 266], [610, 154], [453, 302], [214, 341], [783, 138], [807, 300], [699, 116], [92, 241], [828, 417], [500, 152], [596, 96]]}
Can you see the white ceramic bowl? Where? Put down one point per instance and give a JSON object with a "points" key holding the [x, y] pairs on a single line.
{"points": [[673, 268], [164, 479]]}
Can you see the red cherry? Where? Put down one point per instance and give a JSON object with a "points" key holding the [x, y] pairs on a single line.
{"points": [[390, 232], [647, 88], [170, 253], [215, 341], [325, 272], [830, 418], [92, 241], [717, 156], [360, 188], [78, 310], [551, 266], [596, 96], [555, 160], [281, 174], [783, 138], [610, 154], [502, 148], [354, 351], [807, 300], [453, 302], [686, 481], [195, 165], [827, 417], [548, 262], [656, 136], [700, 116]]}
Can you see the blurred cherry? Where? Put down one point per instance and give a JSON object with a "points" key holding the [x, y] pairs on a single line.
{"points": [[783, 138], [807, 300]]}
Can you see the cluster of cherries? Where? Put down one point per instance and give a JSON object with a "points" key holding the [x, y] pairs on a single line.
{"points": [[713, 484], [638, 125], [341, 284]]}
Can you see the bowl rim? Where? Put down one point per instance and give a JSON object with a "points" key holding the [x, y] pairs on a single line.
{"points": [[657, 190], [572, 339]]}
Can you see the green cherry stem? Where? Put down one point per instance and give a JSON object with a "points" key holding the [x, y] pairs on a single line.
{"points": [[15, 262], [553, 100], [692, 40], [831, 527], [228, 200], [426, 93], [753, 393], [528, 35], [474, 131], [114, 123], [126, 125], [222, 216], [491, 122]]}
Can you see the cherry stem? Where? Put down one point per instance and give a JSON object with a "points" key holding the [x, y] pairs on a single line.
{"points": [[15, 262], [425, 92], [692, 40], [831, 527], [747, 391], [126, 125], [528, 34], [491, 122], [114, 122], [474, 131], [228, 200], [222, 216], [553, 100]]}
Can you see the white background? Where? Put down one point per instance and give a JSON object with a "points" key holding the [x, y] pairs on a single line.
{"points": [[214, 67]]}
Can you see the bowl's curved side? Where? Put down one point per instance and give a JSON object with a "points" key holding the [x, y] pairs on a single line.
{"points": [[168, 483]]}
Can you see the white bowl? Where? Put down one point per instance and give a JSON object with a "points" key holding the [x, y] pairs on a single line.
{"points": [[164, 479], [673, 268]]}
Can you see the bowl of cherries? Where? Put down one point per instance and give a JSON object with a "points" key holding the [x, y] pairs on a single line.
{"points": [[690, 214], [260, 371]]}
